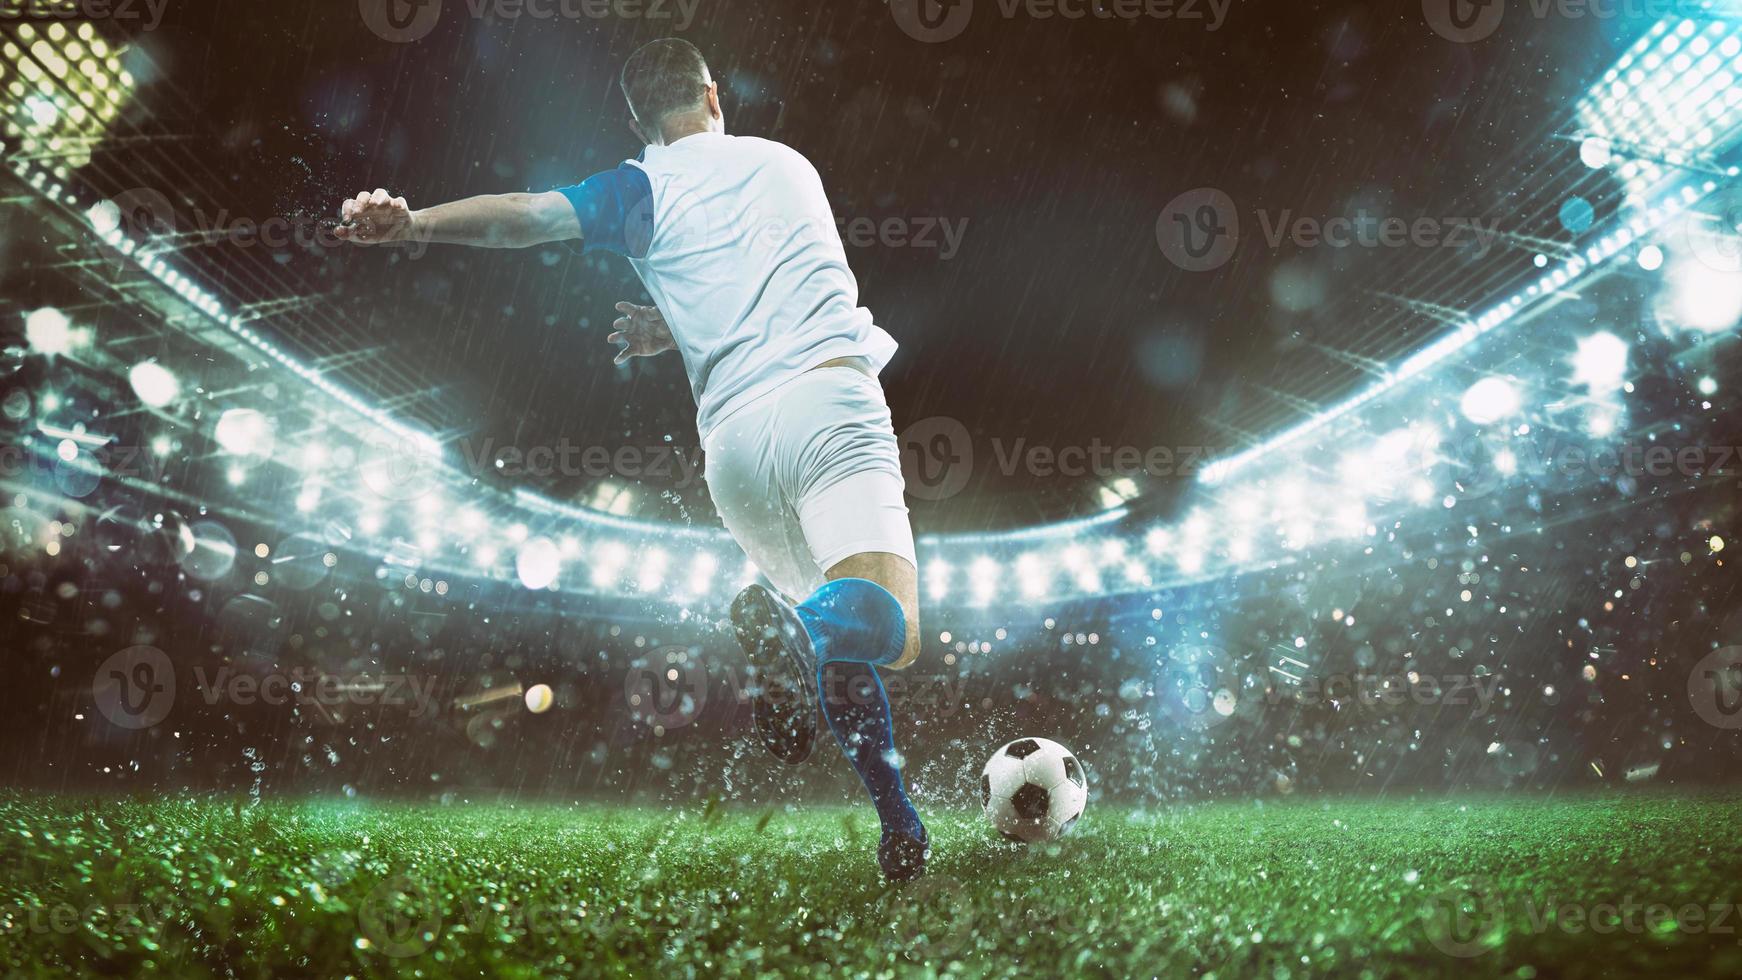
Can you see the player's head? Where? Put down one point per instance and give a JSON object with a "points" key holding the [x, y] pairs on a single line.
{"points": [[669, 90]]}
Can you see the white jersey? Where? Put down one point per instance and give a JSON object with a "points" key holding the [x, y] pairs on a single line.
{"points": [[735, 241]]}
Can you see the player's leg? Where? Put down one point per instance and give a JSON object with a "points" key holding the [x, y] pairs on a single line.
{"points": [[743, 485], [837, 464], [852, 507], [863, 619]]}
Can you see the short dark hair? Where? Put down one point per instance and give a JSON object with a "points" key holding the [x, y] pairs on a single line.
{"points": [[663, 77]]}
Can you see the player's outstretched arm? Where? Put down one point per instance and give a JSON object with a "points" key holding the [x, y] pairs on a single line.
{"points": [[486, 221], [642, 331]]}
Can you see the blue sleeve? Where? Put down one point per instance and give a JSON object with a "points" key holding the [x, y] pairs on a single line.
{"points": [[616, 211]]}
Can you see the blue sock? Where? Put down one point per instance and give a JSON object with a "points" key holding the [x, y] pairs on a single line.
{"points": [[855, 625]]}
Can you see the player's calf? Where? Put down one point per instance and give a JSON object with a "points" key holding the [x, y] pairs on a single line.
{"points": [[852, 626], [856, 626]]}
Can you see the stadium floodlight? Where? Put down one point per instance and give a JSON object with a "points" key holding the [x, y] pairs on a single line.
{"points": [[538, 563], [470, 520], [1032, 577], [66, 87], [937, 579], [651, 575], [1490, 400], [1190, 560], [702, 570], [48, 331], [1156, 541], [309, 497], [983, 580], [154, 384], [609, 559], [1600, 363], [1701, 296], [1670, 102], [244, 432]]}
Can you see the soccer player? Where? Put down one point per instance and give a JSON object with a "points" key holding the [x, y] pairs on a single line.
{"points": [[735, 241]]}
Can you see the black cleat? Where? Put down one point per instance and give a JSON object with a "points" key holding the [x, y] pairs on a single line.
{"points": [[783, 671], [901, 856]]}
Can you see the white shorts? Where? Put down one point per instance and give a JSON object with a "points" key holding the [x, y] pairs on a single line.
{"points": [[810, 474]]}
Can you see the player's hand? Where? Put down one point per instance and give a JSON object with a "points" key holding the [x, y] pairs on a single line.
{"points": [[642, 331], [375, 219]]}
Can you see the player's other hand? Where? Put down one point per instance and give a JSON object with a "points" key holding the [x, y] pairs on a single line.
{"points": [[642, 332], [375, 219]]}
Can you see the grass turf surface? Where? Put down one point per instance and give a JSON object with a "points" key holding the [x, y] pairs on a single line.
{"points": [[1298, 888]]}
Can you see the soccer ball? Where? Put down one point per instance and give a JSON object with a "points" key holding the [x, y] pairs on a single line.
{"points": [[1033, 790]]}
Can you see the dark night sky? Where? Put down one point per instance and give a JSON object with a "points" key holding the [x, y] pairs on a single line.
{"points": [[1051, 145]]}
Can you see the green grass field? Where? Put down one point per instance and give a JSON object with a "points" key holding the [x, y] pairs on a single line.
{"points": [[1299, 888]]}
